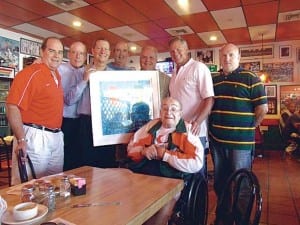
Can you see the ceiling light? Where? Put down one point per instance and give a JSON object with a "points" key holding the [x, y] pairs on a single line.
{"points": [[213, 38], [183, 4], [77, 23], [133, 48]]}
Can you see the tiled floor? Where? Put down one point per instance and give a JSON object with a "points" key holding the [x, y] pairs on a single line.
{"points": [[280, 184]]}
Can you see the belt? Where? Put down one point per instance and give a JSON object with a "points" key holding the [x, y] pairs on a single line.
{"points": [[55, 130]]}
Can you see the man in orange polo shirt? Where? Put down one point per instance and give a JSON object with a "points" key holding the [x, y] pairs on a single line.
{"points": [[34, 111]]}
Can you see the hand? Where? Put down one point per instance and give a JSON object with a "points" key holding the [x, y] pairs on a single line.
{"points": [[87, 73], [161, 149], [150, 152], [195, 128], [22, 146]]}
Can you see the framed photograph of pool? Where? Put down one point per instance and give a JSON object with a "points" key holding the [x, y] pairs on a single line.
{"points": [[121, 102]]}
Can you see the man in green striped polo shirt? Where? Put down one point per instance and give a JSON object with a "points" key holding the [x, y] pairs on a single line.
{"points": [[240, 105]]}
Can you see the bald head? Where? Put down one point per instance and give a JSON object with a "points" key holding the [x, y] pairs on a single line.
{"points": [[148, 58], [230, 58]]}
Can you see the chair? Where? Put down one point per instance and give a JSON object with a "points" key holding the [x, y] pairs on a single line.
{"points": [[5, 156], [192, 206], [243, 207]]}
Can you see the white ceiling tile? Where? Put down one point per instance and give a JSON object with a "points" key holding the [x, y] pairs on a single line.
{"points": [[229, 18], [68, 19], [192, 6], [289, 16], [128, 33], [26, 27], [176, 31], [205, 36], [267, 30], [67, 4]]}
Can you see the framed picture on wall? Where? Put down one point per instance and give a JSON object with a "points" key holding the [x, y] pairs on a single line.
{"points": [[205, 56], [7, 72], [285, 51], [114, 97], [298, 54], [271, 91], [272, 106], [29, 47]]}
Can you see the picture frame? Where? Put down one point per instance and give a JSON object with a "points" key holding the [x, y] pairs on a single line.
{"points": [[254, 66], [288, 94], [257, 52], [7, 72], [298, 55], [90, 59], [205, 55], [113, 95], [9, 53], [271, 91], [272, 106], [29, 47], [285, 51]]}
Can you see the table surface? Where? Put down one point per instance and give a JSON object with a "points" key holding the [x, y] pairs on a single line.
{"points": [[140, 197]]}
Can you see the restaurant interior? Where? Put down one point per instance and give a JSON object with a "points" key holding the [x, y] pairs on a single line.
{"points": [[267, 33]]}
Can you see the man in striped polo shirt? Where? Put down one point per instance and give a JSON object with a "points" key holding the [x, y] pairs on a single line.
{"points": [[240, 105]]}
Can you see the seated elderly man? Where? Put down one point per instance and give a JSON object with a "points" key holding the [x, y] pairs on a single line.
{"points": [[166, 147]]}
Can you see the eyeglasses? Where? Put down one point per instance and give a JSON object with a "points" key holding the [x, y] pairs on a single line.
{"points": [[172, 109]]}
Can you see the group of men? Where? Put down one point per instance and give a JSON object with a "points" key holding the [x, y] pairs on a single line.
{"points": [[49, 95]]}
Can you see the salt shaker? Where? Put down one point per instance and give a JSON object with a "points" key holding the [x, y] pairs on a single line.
{"points": [[49, 200], [65, 187]]}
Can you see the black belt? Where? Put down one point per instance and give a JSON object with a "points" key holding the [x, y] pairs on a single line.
{"points": [[55, 130]]}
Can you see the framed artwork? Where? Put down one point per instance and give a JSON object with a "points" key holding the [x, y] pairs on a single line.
{"points": [[29, 47], [272, 106], [298, 55], [9, 53], [279, 71], [65, 54], [271, 91], [253, 66], [114, 97], [205, 56], [288, 94], [285, 51], [7, 72], [90, 59], [257, 52]]}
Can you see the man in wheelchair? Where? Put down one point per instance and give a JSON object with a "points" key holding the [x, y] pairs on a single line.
{"points": [[166, 147]]}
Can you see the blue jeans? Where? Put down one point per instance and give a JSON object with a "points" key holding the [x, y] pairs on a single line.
{"points": [[226, 161]]}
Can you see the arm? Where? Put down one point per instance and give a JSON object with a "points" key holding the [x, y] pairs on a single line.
{"points": [[203, 112], [260, 111], [15, 121]]}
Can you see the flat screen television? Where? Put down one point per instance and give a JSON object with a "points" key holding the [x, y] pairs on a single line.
{"points": [[165, 66]]}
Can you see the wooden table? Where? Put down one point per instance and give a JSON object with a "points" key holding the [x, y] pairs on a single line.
{"points": [[140, 197]]}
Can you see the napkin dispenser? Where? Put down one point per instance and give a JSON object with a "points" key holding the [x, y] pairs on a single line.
{"points": [[78, 186]]}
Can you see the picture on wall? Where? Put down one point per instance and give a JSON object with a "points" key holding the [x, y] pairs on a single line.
{"points": [[280, 71], [288, 94], [29, 47], [205, 56], [9, 53], [121, 102], [257, 52], [253, 66], [285, 51]]}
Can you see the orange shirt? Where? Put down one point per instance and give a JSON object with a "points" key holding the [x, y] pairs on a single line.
{"points": [[37, 95]]}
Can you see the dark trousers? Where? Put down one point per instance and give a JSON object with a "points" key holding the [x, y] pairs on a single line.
{"points": [[100, 156], [72, 150]]}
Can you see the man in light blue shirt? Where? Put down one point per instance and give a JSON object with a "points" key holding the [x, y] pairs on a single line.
{"points": [[72, 70]]}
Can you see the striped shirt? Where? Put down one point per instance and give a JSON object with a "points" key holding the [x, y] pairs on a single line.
{"points": [[232, 119]]}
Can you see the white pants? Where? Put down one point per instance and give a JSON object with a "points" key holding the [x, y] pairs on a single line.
{"points": [[46, 151]]}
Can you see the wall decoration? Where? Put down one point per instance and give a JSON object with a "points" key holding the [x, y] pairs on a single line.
{"points": [[298, 55], [9, 53], [272, 106], [271, 91], [29, 47], [205, 56], [7, 72], [253, 66], [257, 52], [285, 51], [113, 95], [280, 71], [90, 59], [289, 93]]}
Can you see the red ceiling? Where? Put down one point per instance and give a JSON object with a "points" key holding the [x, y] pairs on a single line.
{"points": [[151, 18]]}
